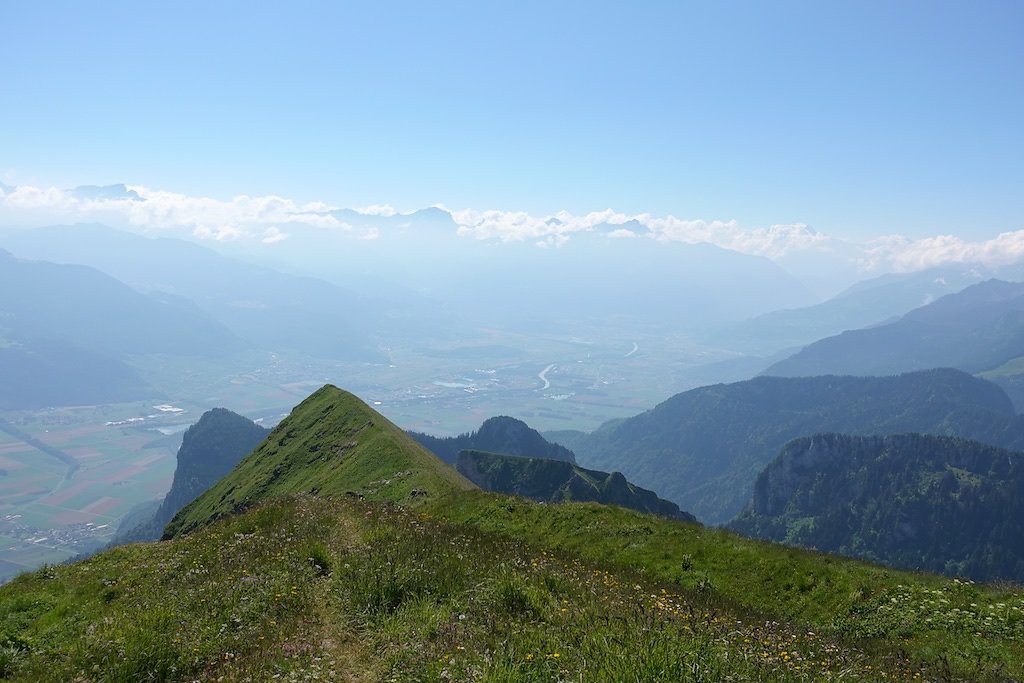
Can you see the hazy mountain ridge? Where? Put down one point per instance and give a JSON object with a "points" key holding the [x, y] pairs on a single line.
{"points": [[867, 303], [84, 306], [268, 308], [66, 331], [976, 329], [919, 502], [703, 449], [425, 255], [42, 372], [559, 481], [501, 434]]}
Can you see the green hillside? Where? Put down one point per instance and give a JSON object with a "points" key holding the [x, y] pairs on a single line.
{"points": [[557, 481], [331, 444], [462, 585], [920, 502]]}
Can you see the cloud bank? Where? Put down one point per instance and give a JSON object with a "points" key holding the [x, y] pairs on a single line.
{"points": [[271, 219]]}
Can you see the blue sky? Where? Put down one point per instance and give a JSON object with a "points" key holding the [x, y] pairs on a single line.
{"points": [[859, 119]]}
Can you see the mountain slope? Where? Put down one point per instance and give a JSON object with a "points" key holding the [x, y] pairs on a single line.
{"points": [[43, 372], [331, 444], [557, 481], [209, 450], [918, 502], [92, 310], [868, 303], [976, 329], [500, 434], [704, 448]]}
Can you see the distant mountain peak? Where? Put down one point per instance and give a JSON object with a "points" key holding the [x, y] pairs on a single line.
{"points": [[502, 434], [104, 192]]}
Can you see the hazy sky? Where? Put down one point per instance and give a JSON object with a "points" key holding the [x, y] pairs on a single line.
{"points": [[859, 118]]}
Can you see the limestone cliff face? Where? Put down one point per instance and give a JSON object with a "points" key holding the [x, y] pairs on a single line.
{"points": [[913, 501], [209, 450], [800, 462]]}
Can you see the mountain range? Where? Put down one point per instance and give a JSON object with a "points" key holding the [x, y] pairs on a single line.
{"points": [[81, 305], [383, 270], [66, 332], [703, 449]]}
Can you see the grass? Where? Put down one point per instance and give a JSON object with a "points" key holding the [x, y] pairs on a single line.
{"points": [[307, 589], [945, 627]]}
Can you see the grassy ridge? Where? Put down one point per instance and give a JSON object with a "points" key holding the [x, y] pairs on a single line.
{"points": [[331, 444], [945, 626], [307, 589]]}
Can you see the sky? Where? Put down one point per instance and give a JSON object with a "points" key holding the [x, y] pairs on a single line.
{"points": [[860, 120]]}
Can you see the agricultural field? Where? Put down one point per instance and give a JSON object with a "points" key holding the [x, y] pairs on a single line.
{"points": [[51, 511]]}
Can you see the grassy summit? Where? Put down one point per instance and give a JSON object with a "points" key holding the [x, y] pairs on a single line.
{"points": [[331, 444]]}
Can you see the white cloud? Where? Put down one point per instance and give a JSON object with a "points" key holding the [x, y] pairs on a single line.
{"points": [[516, 226], [272, 235], [265, 218], [377, 210], [553, 241], [773, 242], [900, 254], [622, 232], [27, 197], [159, 210]]}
